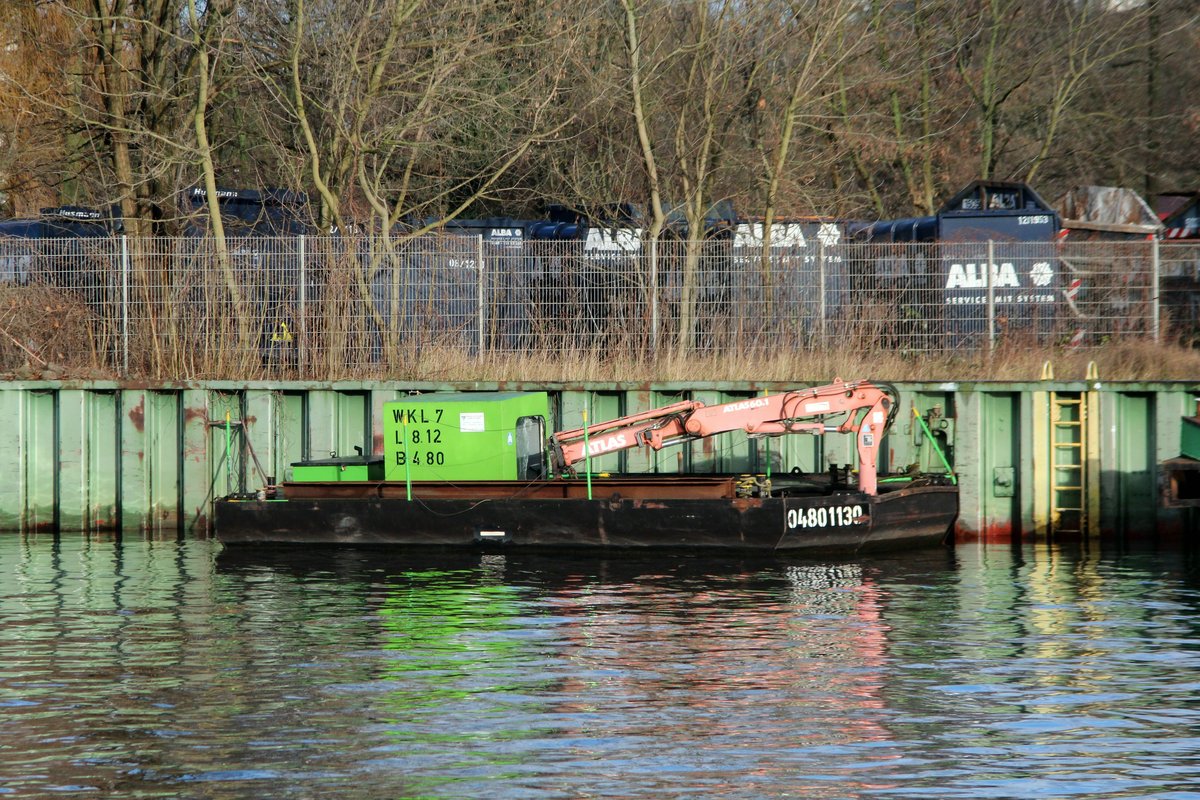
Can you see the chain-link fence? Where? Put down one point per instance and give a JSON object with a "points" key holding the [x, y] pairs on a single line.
{"points": [[328, 307], [1178, 305]]}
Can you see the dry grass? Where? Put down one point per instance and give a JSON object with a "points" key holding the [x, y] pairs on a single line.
{"points": [[47, 338], [45, 332], [1132, 361]]}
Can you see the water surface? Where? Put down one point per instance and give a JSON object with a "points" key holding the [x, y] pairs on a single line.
{"points": [[166, 669]]}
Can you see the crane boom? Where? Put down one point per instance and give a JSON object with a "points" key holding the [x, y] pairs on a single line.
{"points": [[868, 410]]}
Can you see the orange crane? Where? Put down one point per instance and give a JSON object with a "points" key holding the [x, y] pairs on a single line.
{"points": [[868, 409]]}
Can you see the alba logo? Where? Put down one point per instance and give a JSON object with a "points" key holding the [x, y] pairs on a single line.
{"points": [[974, 276], [829, 234], [1041, 274]]}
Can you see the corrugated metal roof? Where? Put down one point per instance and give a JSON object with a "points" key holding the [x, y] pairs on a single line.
{"points": [[1106, 205]]}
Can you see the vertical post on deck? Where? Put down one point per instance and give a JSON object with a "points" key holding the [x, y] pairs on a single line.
{"points": [[228, 455], [767, 440], [587, 450], [407, 458]]}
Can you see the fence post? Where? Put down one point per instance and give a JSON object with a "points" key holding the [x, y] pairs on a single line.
{"points": [[823, 309], [654, 297], [482, 307], [124, 306], [991, 296], [302, 326], [1155, 267]]}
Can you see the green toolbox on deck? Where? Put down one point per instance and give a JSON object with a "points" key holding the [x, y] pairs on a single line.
{"points": [[349, 468], [466, 436]]}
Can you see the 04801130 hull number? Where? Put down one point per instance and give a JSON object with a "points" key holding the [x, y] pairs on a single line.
{"points": [[826, 516]]}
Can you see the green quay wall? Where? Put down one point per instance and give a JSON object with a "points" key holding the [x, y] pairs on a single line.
{"points": [[107, 456]]}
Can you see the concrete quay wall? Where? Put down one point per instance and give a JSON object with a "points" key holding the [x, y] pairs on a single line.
{"points": [[1032, 459]]}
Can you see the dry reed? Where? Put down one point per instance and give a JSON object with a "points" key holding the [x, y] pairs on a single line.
{"points": [[1130, 361], [55, 345], [50, 333]]}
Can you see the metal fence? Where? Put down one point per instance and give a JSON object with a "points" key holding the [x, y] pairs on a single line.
{"points": [[357, 307]]}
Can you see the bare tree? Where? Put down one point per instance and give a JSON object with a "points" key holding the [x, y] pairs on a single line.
{"points": [[1089, 38], [803, 52], [654, 188], [414, 112], [418, 103], [203, 35], [686, 100], [36, 46]]}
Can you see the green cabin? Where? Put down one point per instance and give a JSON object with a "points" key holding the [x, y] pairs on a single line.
{"points": [[1190, 442], [466, 436]]}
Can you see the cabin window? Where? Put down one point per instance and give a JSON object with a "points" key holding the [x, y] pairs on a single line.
{"points": [[531, 448], [1003, 200]]}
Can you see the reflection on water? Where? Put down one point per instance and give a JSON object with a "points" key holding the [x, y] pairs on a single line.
{"points": [[157, 669]]}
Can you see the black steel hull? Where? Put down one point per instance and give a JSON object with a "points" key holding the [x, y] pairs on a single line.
{"points": [[842, 522]]}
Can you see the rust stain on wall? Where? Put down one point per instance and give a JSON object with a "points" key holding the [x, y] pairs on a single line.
{"points": [[137, 415], [993, 533]]}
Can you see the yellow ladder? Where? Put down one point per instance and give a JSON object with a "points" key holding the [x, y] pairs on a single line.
{"points": [[1066, 468], [1068, 463]]}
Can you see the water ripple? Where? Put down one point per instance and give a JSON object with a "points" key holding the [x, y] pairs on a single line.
{"points": [[160, 669]]}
